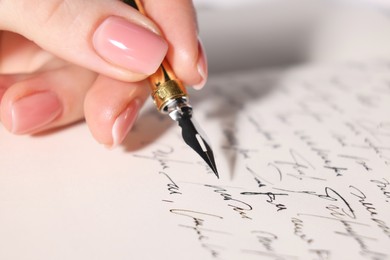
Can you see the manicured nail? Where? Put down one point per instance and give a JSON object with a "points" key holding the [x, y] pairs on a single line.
{"points": [[129, 46], [201, 66], [35, 111], [124, 122]]}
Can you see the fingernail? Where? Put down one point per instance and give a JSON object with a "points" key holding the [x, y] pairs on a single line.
{"points": [[35, 111], [201, 66], [129, 46], [125, 122]]}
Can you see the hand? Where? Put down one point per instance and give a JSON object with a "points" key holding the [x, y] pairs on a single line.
{"points": [[65, 60]]}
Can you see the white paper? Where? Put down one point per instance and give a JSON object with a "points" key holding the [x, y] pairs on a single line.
{"points": [[303, 155]]}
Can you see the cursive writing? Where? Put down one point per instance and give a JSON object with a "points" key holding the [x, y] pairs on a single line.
{"points": [[384, 186], [370, 208], [199, 220], [298, 230], [173, 188], [239, 206]]}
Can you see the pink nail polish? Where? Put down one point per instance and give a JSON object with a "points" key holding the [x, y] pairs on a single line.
{"points": [[124, 122], [129, 46], [35, 111], [201, 66]]}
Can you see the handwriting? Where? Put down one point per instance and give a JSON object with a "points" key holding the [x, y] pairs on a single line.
{"points": [[298, 168], [300, 165], [173, 188], [239, 206], [358, 160], [271, 198], [383, 152], [384, 186], [321, 153], [268, 135], [350, 232], [369, 207], [331, 195], [162, 155], [199, 220], [260, 180], [378, 131], [266, 239], [298, 230], [321, 253], [360, 239]]}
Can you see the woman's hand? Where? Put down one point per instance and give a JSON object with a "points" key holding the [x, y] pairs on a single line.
{"points": [[63, 60]]}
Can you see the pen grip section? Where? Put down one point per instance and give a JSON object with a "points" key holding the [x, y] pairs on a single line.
{"points": [[166, 87]]}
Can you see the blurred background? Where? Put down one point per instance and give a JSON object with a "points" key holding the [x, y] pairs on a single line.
{"points": [[244, 34]]}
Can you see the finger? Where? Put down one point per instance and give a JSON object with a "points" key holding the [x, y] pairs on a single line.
{"points": [[8, 80], [106, 36], [5, 81], [46, 100], [19, 55], [178, 23], [111, 108]]}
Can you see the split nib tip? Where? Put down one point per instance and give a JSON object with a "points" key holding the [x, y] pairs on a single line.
{"points": [[192, 137], [214, 168]]}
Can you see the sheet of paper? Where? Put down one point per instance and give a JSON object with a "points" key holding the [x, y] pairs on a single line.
{"points": [[304, 160]]}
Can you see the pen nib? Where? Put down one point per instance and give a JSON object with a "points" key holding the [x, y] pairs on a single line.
{"points": [[192, 137]]}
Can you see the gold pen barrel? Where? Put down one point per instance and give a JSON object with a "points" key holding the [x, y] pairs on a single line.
{"points": [[166, 87]]}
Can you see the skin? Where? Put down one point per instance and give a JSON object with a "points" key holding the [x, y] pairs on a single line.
{"points": [[47, 46]]}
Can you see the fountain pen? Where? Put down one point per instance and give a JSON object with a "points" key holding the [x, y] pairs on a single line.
{"points": [[170, 97]]}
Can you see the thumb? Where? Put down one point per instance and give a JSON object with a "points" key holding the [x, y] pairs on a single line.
{"points": [[106, 36]]}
